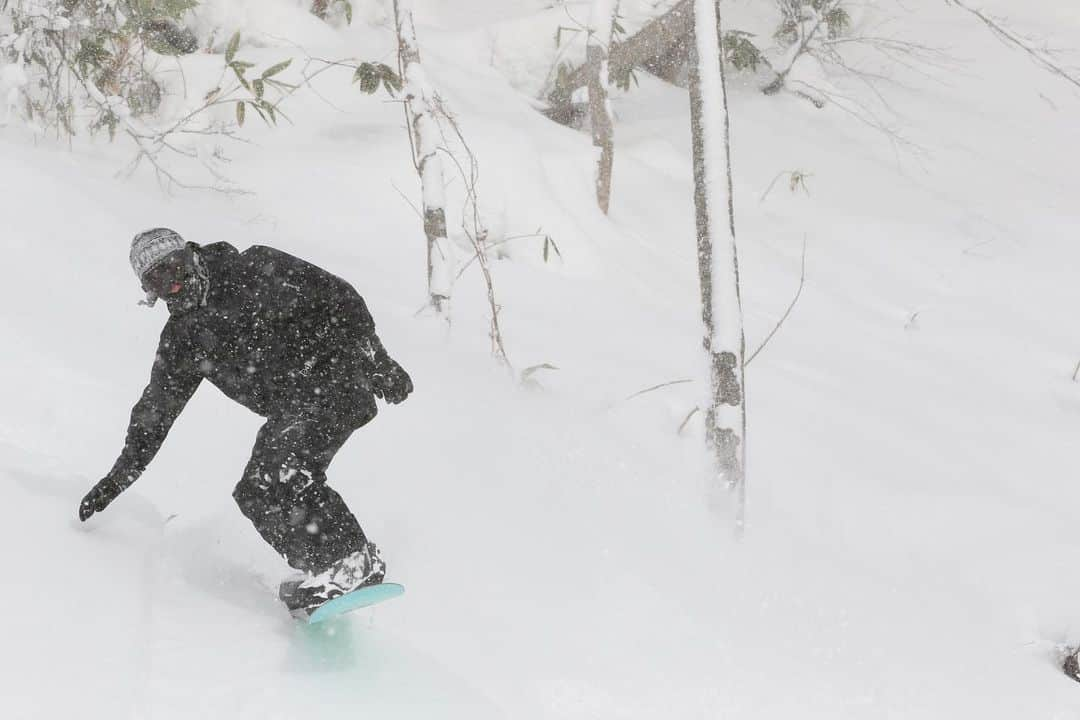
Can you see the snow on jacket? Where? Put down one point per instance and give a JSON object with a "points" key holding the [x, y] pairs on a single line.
{"points": [[278, 335]]}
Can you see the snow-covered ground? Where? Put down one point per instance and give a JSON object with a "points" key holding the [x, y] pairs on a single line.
{"points": [[911, 550]]}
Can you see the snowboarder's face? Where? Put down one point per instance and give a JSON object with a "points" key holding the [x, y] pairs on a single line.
{"points": [[175, 279]]}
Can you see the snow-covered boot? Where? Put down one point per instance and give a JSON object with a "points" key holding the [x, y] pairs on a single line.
{"points": [[359, 569]]}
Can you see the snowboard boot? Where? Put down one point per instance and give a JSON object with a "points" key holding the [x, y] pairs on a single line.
{"points": [[359, 569]]}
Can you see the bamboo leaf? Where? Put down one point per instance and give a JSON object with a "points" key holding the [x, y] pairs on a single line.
{"points": [[257, 86], [530, 371], [391, 79], [240, 113], [276, 68], [548, 242], [234, 44], [243, 80], [368, 75], [348, 12], [363, 70]]}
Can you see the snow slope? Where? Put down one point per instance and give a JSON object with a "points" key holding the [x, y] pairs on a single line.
{"points": [[911, 551]]}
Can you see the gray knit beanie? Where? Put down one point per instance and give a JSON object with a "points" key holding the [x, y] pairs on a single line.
{"points": [[150, 247]]}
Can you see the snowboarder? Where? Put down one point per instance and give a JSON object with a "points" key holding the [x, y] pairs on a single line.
{"points": [[296, 345]]}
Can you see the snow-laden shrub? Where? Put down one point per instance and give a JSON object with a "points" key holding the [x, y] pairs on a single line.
{"points": [[86, 62], [81, 66], [798, 16]]}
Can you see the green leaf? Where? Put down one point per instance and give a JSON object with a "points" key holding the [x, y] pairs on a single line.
{"points": [[390, 79], [212, 95], [230, 51], [240, 113], [243, 80], [91, 54], [369, 76], [361, 70], [837, 21], [257, 86], [348, 12], [276, 68]]}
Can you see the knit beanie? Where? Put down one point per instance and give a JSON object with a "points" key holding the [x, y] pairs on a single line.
{"points": [[150, 247]]}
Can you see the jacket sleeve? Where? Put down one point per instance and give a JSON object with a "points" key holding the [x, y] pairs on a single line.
{"points": [[173, 380], [350, 321], [353, 325], [349, 315]]}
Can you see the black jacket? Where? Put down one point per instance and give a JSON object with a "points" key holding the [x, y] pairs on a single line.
{"points": [[277, 334]]}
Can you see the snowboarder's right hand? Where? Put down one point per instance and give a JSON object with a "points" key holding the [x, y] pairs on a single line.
{"points": [[99, 497], [390, 382]]}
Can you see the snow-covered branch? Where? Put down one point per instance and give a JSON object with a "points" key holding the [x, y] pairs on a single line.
{"points": [[600, 115], [718, 265], [424, 135]]}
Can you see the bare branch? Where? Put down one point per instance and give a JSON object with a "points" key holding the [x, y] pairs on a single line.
{"points": [[471, 223], [797, 179], [686, 421], [408, 201], [1042, 58], [802, 281], [657, 387]]}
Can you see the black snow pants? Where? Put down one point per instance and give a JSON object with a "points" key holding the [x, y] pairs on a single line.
{"points": [[285, 495]]}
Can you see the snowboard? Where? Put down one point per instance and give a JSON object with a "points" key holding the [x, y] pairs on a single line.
{"points": [[359, 598]]}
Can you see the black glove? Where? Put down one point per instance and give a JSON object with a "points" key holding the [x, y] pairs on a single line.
{"points": [[390, 382], [100, 496]]}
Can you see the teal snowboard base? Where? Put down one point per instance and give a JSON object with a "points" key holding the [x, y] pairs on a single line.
{"points": [[364, 597]]}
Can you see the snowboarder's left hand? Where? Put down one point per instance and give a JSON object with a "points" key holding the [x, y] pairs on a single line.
{"points": [[390, 382], [99, 497]]}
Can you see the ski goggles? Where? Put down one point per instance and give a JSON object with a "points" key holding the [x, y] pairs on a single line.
{"points": [[168, 276]]}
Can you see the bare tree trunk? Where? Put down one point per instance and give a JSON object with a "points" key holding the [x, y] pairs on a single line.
{"points": [[424, 136], [718, 265], [653, 41], [603, 127]]}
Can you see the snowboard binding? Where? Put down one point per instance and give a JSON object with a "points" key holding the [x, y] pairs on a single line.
{"points": [[361, 569]]}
